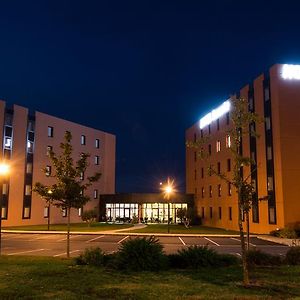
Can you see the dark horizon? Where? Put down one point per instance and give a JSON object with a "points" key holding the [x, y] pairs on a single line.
{"points": [[145, 71]]}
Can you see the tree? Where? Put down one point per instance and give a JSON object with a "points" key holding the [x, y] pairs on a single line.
{"points": [[89, 216], [241, 119], [68, 191]]}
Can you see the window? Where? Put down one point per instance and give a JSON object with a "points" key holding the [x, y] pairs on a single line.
{"points": [[195, 156], [4, 213], [228, 141], [80, 211], [272, 218], [195, 137], [270, 183], [28, 190], [268, 123], [229, 189], [219, 190], [29, 168], [96, 160], [230, 213], [31, 126], [252, 129], [30, 147], [46, 212], [48, 171], [210, 212], [82, 176], [267, 94], [210, 191], [228, 165], [202, 192], [5, 189], [7, 142], [219, 168], [218, 146], [26, 213], [82, 140], [64, 212], [220, 213], [202, 173], [252, 156], [253, 181], [269, 153], [49, 149], [209, 149], [95, 194], [195, 174], [97, 143], [202, 214], [50, 131], [209, 129], [227, 118], [218, 124], [251, 104], [201, 133]]}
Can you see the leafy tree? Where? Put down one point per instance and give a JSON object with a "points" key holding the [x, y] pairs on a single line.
{"points": [[89, 216], [68, 191], [241, 119]]}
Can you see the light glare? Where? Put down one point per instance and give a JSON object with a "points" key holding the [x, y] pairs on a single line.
{"points": [[4, 169], [291, 72]]}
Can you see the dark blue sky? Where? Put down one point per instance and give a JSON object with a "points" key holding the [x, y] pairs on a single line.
{"points": [[143, 70]]}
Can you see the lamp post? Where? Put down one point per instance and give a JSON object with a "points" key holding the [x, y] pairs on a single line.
{"points": [[48, 219], [4, 170], [168, 189]]}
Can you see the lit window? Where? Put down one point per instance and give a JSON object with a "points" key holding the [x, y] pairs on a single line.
{"points": [[29, 168], [270, 184], [81, 175], [5, 189], [49, 149], [46, 212], [28, 190], [50, 131], [96, 160], [64, 212], [48, 171], [29, 147], [79, 212], [229, 189], [95, 194], [228, 141], [4, 213], [218, 146], [26, 213], [97, 143], [272, 218], [7, 142], [82, 140]]}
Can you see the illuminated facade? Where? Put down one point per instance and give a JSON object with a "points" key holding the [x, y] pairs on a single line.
{"points": [[275, 96], [25, 140]]}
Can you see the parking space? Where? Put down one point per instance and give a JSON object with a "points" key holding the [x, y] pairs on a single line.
{"points": [[55, 244]]}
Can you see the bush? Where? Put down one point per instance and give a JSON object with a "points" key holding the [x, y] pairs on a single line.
{"points": [[91, 256], [89, 216], [195, 257], [293, 256], [258, 258], [141, 254], [287, 232]]}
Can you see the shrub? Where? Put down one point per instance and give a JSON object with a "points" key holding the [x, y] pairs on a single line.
{"points": [[287, 232], [258, 258], [141, 254], [91, 256], [89, 216], [195, 257], [293, 256]]}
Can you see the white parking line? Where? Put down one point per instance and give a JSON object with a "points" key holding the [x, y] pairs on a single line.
{"points": [[181, 240], [65, 253], [96, 238], [123, 239], [71, 237], [29, 251], [212, 241], [235, 239]]}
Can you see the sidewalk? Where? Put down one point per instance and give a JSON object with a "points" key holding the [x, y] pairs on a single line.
{"points": [[278, 240]]}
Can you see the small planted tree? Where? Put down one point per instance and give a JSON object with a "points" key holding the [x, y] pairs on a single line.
{"points": [[241, 119], [68, 190], [89, 216]]}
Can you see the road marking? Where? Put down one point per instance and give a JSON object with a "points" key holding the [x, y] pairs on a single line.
{"points": [[96, 238], [235, 239], [71, 237], [65, 253], [29, 251], [212, 241], [181, 240], [123, 239]]}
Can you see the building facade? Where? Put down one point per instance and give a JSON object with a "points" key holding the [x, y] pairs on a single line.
{"points": [[275, 96], [25, 140]]}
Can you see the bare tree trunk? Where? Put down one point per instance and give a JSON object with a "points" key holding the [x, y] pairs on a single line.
{"points": [[248, 230], [243, 246], [68, 233]]}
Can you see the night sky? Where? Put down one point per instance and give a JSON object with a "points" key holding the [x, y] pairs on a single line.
{"points": [[143, 70]]}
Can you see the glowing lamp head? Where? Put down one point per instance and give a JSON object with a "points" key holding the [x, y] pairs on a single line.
{"points": [[4, 169], [50, 192], [168, 188]]}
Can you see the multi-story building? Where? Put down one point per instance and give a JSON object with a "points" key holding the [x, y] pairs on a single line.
{"points": [[25, 140], [275, 96]]}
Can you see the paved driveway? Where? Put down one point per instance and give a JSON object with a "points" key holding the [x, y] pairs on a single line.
{"points": [[55, 244]]}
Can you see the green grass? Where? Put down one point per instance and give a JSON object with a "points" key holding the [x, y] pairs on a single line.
{"points": [[74, 227], [163, 228], [50, 278]]}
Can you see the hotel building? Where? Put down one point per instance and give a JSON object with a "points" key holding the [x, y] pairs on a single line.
{"points": [[25, 139], [275, 96]]}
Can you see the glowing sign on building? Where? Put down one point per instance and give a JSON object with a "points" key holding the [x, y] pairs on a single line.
{"points": [[215, 114], [291, 72]]}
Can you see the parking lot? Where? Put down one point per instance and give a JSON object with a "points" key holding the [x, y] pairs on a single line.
{"points": [[55, 244]]}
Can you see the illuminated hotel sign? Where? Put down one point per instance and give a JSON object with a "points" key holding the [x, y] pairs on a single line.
{"points": [[291, 72], [215, 114]]}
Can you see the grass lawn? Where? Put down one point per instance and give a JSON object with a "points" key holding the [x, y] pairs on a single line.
{"points": [[74, 227], [50, 278], [163, 228]]}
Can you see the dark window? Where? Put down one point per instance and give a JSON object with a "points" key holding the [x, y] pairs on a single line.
{"points": [[219, 190], [50, 131], [49, 148], [202, 192], [219, 168], [195, 174], [195, 137], [201, 133], [209, 149], [229, 189], [211, 212], [230, 213], [228, 165], [195, 156], [97, 160], [202, 173], [210, 191], [208, 129], [227, 118], [218, 124], [202, 212], [220, 213]]}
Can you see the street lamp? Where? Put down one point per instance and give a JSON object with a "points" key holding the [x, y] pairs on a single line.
{"points": [[48, 219], [168, 190], [4, 171]]}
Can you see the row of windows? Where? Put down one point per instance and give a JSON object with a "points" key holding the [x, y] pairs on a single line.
{"points": [[218, 169], [219, 213], [82, 137], [219, 190]]}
